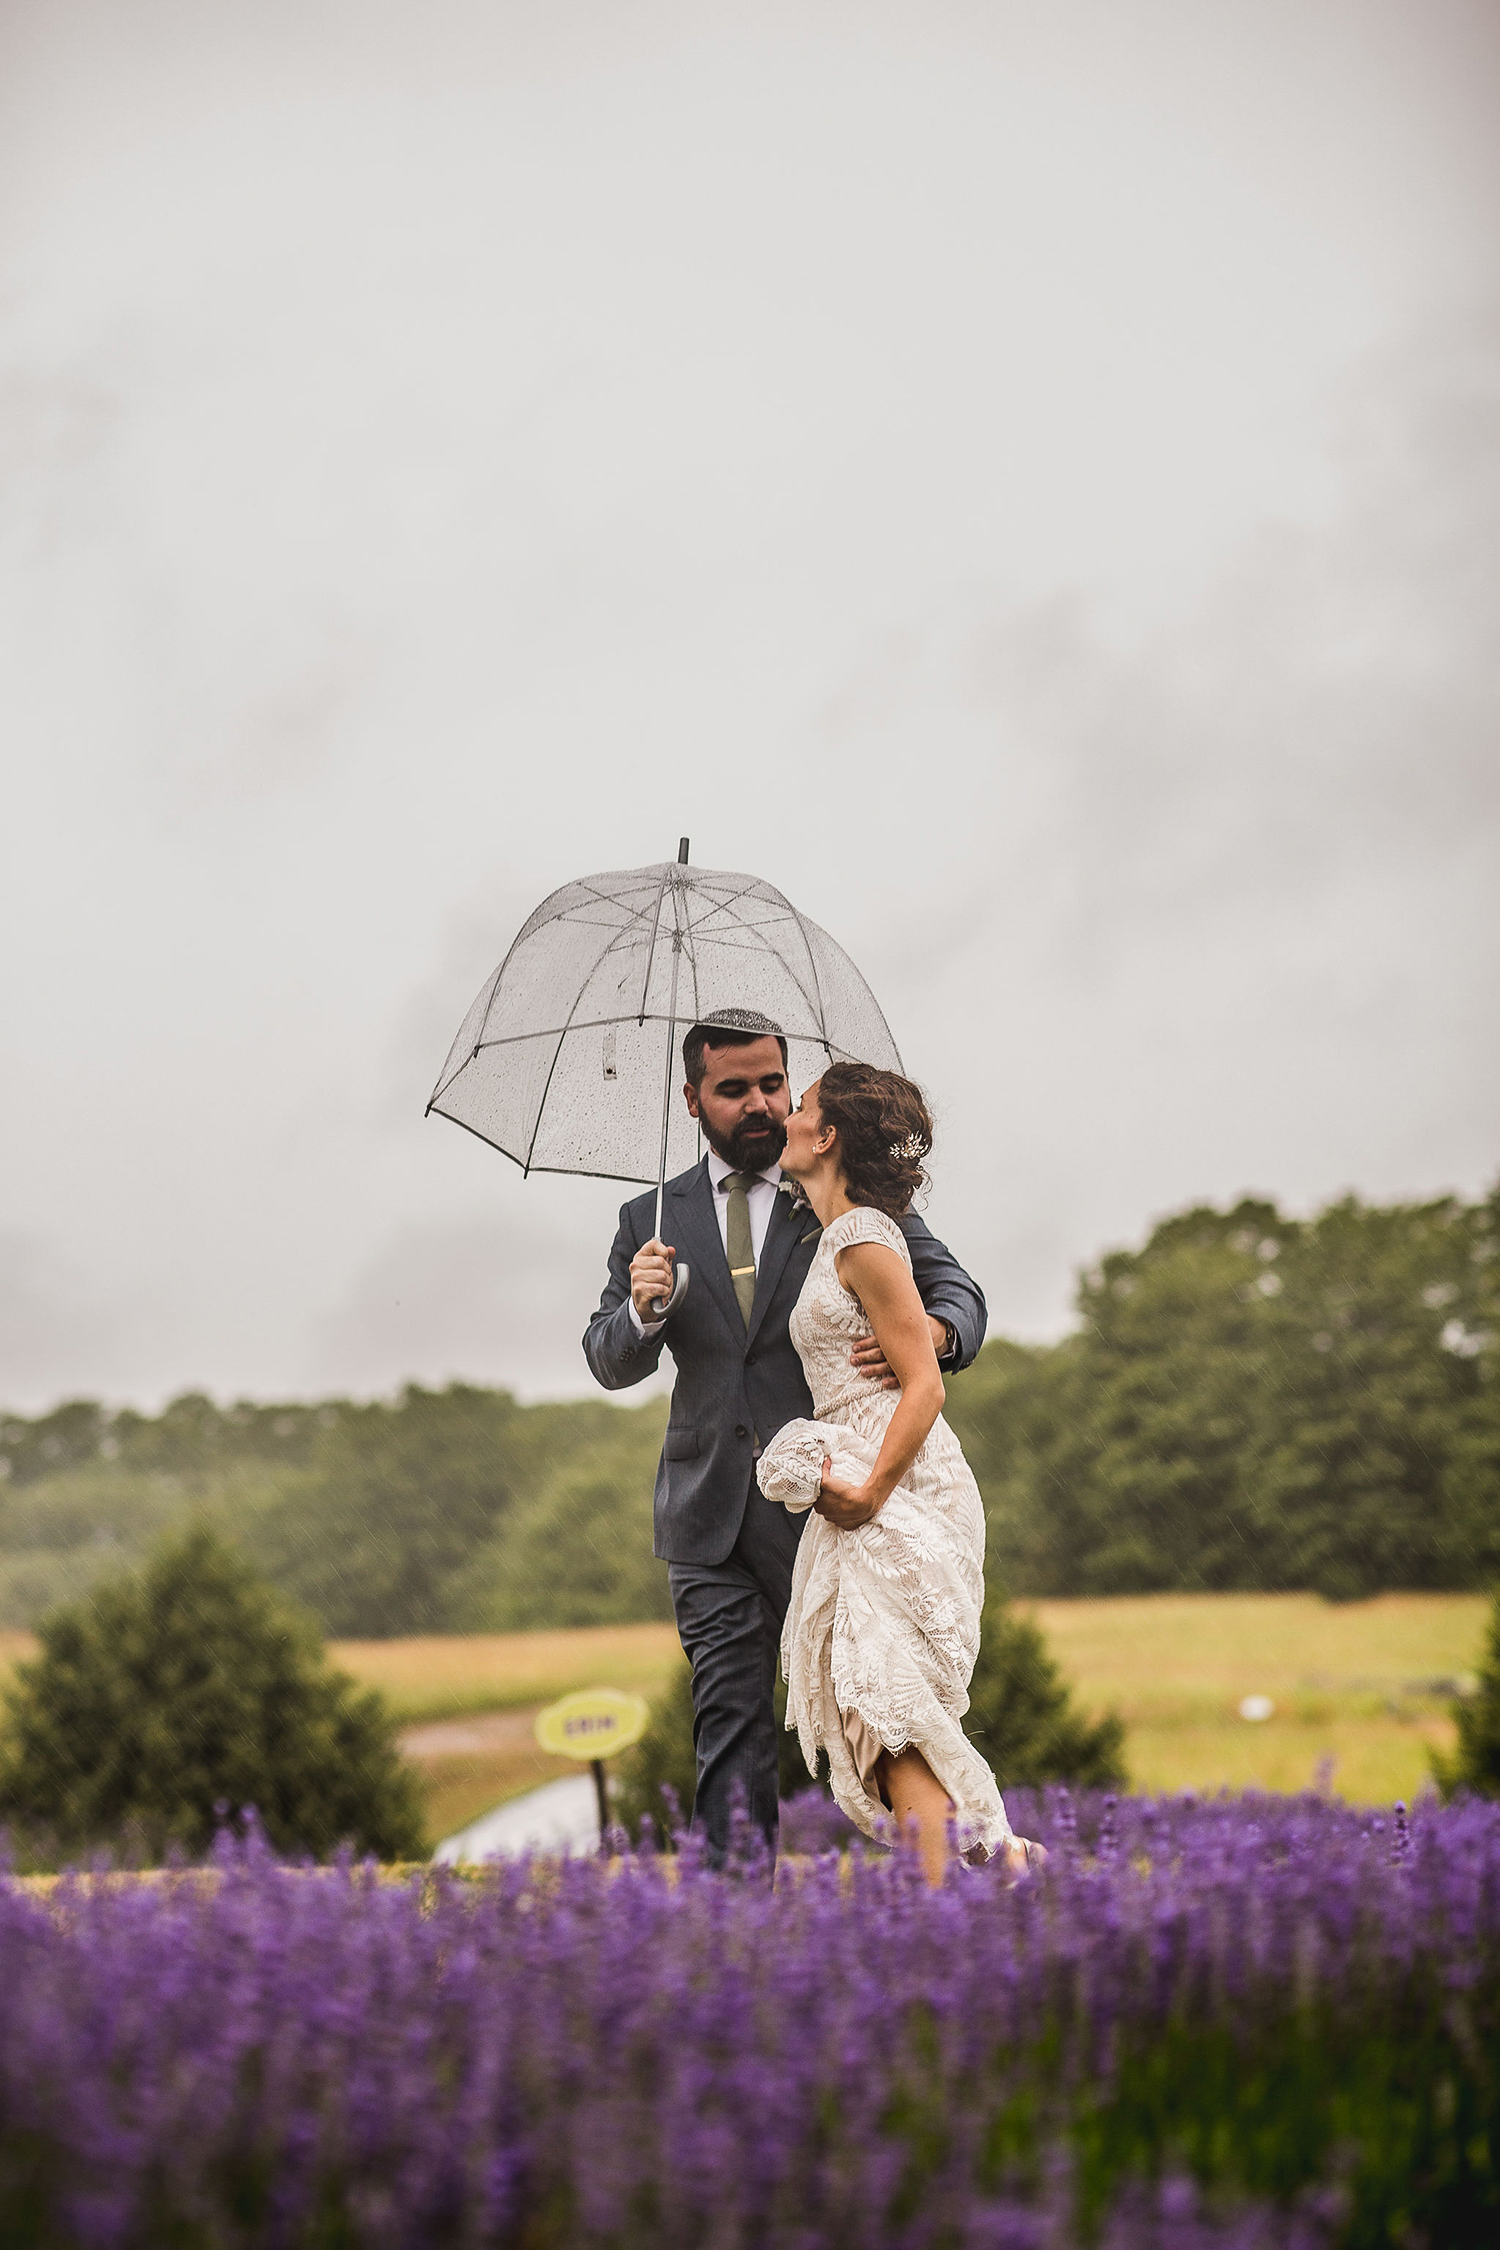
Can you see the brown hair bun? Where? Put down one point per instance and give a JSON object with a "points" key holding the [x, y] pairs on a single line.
{"points": [[885, 1133]]}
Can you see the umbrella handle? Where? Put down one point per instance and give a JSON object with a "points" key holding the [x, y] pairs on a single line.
{"points": [[661, 1306]]}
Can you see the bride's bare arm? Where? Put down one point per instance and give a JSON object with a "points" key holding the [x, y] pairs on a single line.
{"points": [[881, 1281]]}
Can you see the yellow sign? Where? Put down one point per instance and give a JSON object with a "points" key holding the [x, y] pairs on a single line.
{"points": [[595, 1723]]}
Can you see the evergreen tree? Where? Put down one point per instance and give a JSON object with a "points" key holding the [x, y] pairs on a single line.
{"points": [[191, 1690], [664, 1758], [1022, 1718], [1475, 1764]]}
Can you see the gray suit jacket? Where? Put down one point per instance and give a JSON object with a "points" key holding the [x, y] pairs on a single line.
{"points": [[732, 1382]]}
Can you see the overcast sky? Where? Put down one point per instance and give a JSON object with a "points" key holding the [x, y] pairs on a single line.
{"points": [[1023, 479]]}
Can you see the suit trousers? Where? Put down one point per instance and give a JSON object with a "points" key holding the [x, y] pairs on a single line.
{"points": [[729, 1619]]}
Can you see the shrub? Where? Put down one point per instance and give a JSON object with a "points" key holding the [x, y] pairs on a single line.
{"points": [[664, 1758], [1475, 1764], [167, 1699], [1022, 1717]]}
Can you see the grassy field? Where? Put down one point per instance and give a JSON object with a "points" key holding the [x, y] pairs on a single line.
{"points": [[446, 1677], [1360, 1692], [1365, 1685]]}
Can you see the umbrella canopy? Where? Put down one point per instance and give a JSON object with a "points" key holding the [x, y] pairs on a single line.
{"points": [[568, 1062]]}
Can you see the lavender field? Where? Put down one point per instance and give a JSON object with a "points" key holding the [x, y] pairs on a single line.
{"points": [[1253, 2022]]}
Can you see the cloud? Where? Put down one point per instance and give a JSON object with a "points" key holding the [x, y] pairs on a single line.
{"points": [[1241, 916]]}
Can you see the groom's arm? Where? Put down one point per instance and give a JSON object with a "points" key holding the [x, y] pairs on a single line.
{"points": [[946, 1291], [617, 1352]]}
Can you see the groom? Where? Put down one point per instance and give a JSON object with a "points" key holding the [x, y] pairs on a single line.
{"points": [[729, 1550]]}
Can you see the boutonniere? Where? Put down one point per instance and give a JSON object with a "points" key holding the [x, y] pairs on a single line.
{"points": [[792, 1190]]}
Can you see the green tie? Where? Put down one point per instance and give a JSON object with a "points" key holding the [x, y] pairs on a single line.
{"points": [[739, 1241]]}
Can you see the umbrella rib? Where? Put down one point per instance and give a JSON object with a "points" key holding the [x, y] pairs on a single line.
{"points": [[687, 935], [605, 898], [556, 1171], [602, 955], [758, 940], [818, 1009], [655, 933], [561, 915], [722, 906], [600, 1023]]}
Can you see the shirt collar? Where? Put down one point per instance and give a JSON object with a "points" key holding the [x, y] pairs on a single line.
{"points": [[719, 1171]]}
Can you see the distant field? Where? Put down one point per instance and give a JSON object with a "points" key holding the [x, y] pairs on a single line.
{"points": [[444, 1676], [1366, 1685]]}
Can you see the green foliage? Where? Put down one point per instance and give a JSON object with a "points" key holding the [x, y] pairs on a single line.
{"points": [[662, 1759], [438, 1511], [1251, 1403], [403, 1492], [577, 1551], [1022, 1718], [1256, 1403], [62, 1535], [1475, 1764], [186, 1689]]}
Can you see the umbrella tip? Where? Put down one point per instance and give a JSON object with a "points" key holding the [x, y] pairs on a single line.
{"points": [[682, 851]]}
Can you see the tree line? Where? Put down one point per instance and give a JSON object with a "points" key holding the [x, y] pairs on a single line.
{"points": [[1249, 1402]]}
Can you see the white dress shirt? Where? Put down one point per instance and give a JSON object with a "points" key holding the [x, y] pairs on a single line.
{"points": [[761, 1198]]}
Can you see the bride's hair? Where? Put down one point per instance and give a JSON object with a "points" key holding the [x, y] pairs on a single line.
{"points": [[885, 1133]]}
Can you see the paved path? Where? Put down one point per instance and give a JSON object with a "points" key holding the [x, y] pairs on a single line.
{"points": [[562, 1816]]}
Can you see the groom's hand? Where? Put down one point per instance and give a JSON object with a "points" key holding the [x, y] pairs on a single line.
{"points": [[868, 1358], [651, 1276]]}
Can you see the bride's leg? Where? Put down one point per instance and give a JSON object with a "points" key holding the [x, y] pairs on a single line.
{"points": [[915, 1794]]}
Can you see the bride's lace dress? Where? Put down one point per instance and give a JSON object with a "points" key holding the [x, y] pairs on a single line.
{"points": [[883, 1626]]}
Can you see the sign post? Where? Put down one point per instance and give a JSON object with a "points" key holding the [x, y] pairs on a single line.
{"points": [[591, 1726]]}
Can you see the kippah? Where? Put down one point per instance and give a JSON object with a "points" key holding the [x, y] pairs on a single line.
{"points": [[738, 1019]]}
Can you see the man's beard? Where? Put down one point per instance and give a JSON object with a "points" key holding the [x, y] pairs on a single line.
{"points": [[745, 1150]]}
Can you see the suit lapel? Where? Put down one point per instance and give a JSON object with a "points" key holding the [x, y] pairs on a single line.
{"points": [[697, 1241], [782, 1235]]}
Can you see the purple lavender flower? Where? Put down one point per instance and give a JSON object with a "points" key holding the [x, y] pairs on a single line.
{"points": [[1240, 2024]]}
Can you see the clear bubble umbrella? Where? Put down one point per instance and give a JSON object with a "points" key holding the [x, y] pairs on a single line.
{"points": [[568, 1060]]}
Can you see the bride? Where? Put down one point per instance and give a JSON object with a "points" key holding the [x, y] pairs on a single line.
{"points": [[883, 1626]]}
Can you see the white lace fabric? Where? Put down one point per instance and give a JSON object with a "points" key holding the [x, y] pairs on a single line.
{"points": [[791, 1467], [883, 1620]]}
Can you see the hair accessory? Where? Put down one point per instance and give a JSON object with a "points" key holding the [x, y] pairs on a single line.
{"points": [[911, 1150]]}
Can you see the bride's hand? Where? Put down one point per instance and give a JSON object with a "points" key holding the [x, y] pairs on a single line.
{"points": [[845, 1505]]}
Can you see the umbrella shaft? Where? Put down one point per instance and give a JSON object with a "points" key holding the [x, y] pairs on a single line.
{"points": [[666, 1089]]}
